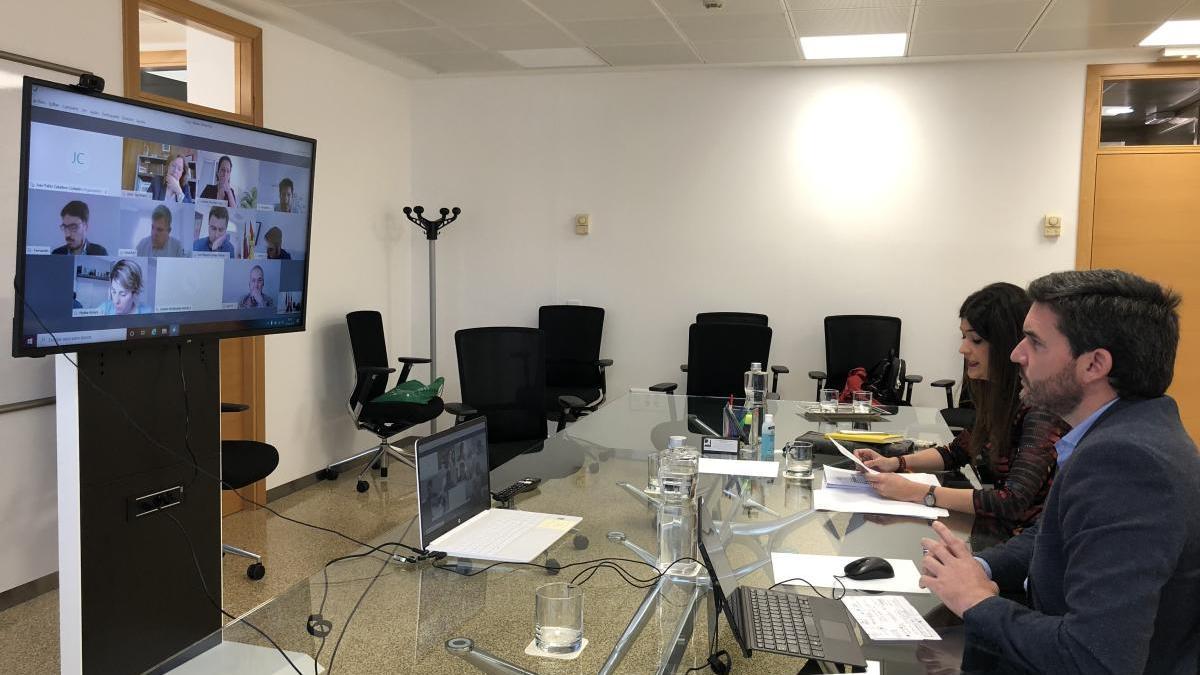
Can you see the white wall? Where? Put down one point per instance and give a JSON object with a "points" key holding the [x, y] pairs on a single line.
{"points": [[796, 192], [28, 484]]}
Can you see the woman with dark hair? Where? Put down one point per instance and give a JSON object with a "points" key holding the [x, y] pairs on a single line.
{"points": [[1010, 442], [223, 189]]}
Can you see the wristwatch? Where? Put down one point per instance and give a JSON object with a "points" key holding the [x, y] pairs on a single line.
{"points": [[930, 499]]}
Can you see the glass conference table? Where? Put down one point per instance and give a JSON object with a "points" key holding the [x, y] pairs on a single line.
{"points": [[596, 468]]}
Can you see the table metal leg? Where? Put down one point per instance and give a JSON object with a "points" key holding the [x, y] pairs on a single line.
{"points": [[634, 628]]}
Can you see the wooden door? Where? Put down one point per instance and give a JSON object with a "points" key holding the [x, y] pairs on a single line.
{"points": [[1147, 221], [1139, 207], [242, 382]]}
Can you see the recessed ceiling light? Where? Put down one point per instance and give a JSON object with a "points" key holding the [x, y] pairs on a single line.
{"points": [[853, 46], [1181, 53], [567, 57], [1174, 33], [1114, 110]]}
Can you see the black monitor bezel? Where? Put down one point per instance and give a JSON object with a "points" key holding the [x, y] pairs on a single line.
{"points": [[18, 328]]}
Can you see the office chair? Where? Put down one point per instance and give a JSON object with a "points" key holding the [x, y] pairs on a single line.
{"points": [[961, 416], [731, 317], [858, 341], [502, 376], [573, 363], [719, 354], [245, 463], [384, 419]]}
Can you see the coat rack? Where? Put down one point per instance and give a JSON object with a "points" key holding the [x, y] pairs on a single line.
{"points": [[431, 228]]}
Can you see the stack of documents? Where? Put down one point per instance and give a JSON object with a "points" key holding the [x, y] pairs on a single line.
{"points": [[864, 436], [849, 492]]}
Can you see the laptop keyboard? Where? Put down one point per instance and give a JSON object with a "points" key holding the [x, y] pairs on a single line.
{"points": [[784, 622], [499, 533]]}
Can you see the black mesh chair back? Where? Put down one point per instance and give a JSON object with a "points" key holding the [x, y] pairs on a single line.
{"points": [[369, 348], [502, 373], [572, 334], [719, 354], [732, 317], [854, 340]]}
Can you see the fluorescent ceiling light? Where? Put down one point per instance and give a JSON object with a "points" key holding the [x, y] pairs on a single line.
{"points": [[853, 46], [1114, 110], [1181, 52], [568, 57], [1174, 33]]}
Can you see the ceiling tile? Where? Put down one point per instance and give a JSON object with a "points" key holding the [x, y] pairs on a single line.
{"points": [[356, 17], [980, 16], [476, 12], [1118, 36], [1068, 13], [808, 5], [624, 31], [646, 55], [696, 7], [749, 51], [584, 10], [465, 62], [419, 41], [542, 35], [1188, 11], [852, 21], [965, 42], [734, 27]]}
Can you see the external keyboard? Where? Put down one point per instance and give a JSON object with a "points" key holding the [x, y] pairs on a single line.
{"points": [[784, 622]]}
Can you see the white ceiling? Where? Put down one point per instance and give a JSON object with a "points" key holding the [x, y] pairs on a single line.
{"points": [[467, 36]]}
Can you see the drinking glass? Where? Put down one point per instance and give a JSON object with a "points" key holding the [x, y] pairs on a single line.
{"points": [[797, 460], [558, 618], [829, 400], [862, 401]]}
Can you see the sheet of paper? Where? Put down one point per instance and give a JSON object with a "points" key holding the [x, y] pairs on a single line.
{"points": [[846, 478], [866, 501], [739, 467], [842, 449], [889, 617], [819, 570]]}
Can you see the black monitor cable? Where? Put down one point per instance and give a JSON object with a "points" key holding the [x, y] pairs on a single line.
{"points": [[832, 596], [217, 605]]}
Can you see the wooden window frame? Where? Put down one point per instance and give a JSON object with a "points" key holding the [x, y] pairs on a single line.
{"points": [[247, 58], [1097, 75]]}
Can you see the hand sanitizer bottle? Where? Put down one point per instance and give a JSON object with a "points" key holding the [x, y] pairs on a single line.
{"points": [[767, 451]]}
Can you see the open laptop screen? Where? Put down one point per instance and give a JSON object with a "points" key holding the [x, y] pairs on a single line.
{"points": [[452, 478]]}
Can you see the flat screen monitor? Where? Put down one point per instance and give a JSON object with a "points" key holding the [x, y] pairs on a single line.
{"points": [[138, 223]]}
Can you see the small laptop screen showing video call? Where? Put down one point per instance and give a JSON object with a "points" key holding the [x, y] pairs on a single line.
{"points": [[142, 223], [452, 475]]}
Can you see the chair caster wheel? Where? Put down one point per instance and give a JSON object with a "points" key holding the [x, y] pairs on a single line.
{"points": [[256, 571], [362, 486], [327, 474]]}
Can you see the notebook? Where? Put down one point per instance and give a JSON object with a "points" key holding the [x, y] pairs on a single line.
{"points": [[454, 501]]}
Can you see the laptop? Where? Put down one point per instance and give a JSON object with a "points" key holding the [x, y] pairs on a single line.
{"points": [[454, 502], [776, 621]]}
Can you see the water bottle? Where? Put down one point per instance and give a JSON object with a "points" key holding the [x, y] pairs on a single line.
{"points": [[756, 393], [677, 538], [767, 452]]}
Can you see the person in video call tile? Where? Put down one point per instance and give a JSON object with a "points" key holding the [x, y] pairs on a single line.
{"points": [[160, 243], [223, 190], [177, 188], [217, 239], [75, 231], [275, 249], [286, 192], [125, 290], [255, 297]]}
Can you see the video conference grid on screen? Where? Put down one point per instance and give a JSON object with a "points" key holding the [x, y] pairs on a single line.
{"points": [[144, 223]]}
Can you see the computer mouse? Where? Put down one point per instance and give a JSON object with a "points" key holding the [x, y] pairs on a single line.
{"points": [[865, 569]]}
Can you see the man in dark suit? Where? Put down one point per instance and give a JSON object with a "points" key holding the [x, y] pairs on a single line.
{"points": [[1112, 568], [75, 231]]}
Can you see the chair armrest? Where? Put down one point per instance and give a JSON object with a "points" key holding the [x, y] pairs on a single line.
{"points": [[817, 374], [779, 369], [914, 378], [776, 371], [942, 383], [408, 362], [683, 368], [412, 359], [375, 370], [568, 402], [664, 387], [604, 363], [234, 407], [461, 411]]}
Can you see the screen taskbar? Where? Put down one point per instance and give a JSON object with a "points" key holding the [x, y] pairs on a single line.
{"points": [[88, 337]]}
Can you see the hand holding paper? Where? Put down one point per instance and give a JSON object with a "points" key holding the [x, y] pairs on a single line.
{"points": [[842, 449]]}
